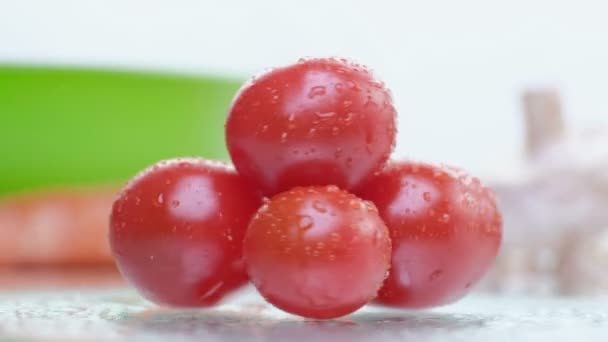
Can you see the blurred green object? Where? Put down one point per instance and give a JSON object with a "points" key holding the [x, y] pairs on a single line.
{"points": [[68, 126]]}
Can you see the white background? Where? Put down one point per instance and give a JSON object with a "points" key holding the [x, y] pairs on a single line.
{"points": [[456, 67]]}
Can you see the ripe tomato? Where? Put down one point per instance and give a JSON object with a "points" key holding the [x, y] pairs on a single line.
{"points": [[176, 231], [317, 252], [317, 122], [445, 228]]}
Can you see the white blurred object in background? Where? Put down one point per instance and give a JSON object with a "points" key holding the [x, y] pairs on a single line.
{"points": [[556, 215]]}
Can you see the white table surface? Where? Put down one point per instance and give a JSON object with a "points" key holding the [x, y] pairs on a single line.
{"points": [[118, 314]]}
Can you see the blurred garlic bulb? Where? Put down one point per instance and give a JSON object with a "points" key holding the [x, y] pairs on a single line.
{"points": [[556, 216]]}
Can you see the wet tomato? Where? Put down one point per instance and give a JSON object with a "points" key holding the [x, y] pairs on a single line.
{"points": [[177, 229], [445, 229], [317, 252], [316, 122]]}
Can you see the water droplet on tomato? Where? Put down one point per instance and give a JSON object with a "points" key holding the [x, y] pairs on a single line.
{"points": [[332, 188], [305, 222], [325, 115], [335, 237], [338, 152], [339, 87], [427, 196], [283, 137], [318, 206], [347, 103], [316, 91], [435, 275]]}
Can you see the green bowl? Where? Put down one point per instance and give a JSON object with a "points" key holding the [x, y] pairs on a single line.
{"points": [[69, 127]]}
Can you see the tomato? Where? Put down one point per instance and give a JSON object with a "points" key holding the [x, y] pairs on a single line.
{"points": [[177, 230], [317, 252], [316, 122], [445, 229]]}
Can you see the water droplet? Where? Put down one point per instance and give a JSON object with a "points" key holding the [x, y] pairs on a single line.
{"points": [[318, 206], [368, 148], [335, 237], [335, 130], [377, 239], [264, 128], [137, 200], [332, 188], [445, 218], [468, 285], [312, 132], [435, 275], [431, 212], [339, 87], [320, 245], [284, 137], [123, 224], [331, 257], [175, 203], [305, 222], [347, 103], [355, 204], [427, 196], [338, 152], [316, 91], [325, 115], [351, 85], [151, 257]]}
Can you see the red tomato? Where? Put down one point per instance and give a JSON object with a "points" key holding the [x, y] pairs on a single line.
{"points": [[176, 231], [317, 122], [317, 252], [445, 228]]}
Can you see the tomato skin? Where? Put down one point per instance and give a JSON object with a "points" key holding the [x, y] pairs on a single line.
{"points": [[176, 231], [446, 231], [317, 252], [317, 122]]}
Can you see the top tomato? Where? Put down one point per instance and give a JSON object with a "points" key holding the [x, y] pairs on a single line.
{"points": [[316, 122]]}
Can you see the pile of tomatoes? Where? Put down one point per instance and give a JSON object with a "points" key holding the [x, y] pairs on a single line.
{"points": [[313, 214]]}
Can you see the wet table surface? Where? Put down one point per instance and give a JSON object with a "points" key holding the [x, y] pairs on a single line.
{"points": [[100, 309]]}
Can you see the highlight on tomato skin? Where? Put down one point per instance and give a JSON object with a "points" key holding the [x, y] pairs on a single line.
{"points": [[321, 121], [176, 231], [317, 252], [445, 228]]}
